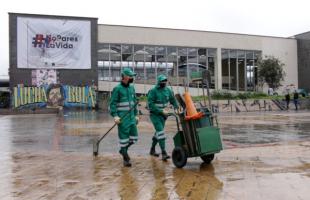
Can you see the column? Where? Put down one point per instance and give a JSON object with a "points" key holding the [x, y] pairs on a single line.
{"points": [[218, 69]]}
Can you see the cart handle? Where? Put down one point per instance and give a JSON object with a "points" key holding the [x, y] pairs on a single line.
{"points": [[176, 119]]}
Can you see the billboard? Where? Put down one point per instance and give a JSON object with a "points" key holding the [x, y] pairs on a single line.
{"points": [[44, 43]]}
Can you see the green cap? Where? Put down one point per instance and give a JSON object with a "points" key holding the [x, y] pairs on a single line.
{"points": [[161, 78], [128, 72]]}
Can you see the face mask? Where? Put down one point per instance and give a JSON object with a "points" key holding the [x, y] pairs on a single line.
{"points": [[162, 85], [130, 80]]}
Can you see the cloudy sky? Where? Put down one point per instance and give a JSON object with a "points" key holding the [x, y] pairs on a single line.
{"points": [[281, 18]]}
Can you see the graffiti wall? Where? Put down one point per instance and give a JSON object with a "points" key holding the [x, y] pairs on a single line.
{"points": [[53, 96], [41, 77]]}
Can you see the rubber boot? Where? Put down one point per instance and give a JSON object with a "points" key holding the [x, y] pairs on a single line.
{"points": [[165, 156], [153, 152], [126, 158], [129, 144]]}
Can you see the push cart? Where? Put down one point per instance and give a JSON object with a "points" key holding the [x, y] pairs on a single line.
{"points": [[198, 137]]}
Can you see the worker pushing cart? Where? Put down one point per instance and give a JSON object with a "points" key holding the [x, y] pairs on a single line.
{"points": [[158, 99]]}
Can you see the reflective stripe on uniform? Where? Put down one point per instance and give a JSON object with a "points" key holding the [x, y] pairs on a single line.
{"points": [[124, 140], [161, 137], [160, 105], [160, 133], [123, 108], [133, 137], [126, 103], [123, 145]]}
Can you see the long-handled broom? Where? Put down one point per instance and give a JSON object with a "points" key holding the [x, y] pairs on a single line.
{"points": [[97, 141]]}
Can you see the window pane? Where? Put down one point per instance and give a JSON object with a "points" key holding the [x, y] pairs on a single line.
{"points": [[250, 70], [150, 50], [139, 54], [233, 69], [116, 58], [127, 49], [172, 51], [182, 68], [241, 69], [139, 69], [211, 67], [192, 52], [160, 51], [182, 51], [150, 65], [115, 48], [202, 56], [161, 68], [257, 55], [241, 73], [127, 61], [172, 65], [103, 51], [161, 64], [241, 54], [225, 69], [139, 49], [192, 55], [211, 52], [100, 63]]}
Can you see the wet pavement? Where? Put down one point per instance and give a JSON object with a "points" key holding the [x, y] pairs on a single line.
{"points": [[47, 156]]}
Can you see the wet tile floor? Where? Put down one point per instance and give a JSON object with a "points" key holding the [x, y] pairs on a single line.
{"points": [[266, 156]]}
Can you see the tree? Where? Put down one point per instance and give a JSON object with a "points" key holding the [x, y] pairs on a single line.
{"points": [[270, 71]]}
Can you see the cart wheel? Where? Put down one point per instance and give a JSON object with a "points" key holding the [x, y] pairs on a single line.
{"points": [[179, 157], [207, 158]]}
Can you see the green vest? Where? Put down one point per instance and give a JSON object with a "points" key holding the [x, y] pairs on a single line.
{"points": [[159, 98], [122, 100]]}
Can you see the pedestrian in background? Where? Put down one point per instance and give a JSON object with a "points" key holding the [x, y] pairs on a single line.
{"points": [[296, 96], [287, 99], [270, 91]]}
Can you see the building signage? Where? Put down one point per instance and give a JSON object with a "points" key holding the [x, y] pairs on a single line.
{"points": [[53, 43]]}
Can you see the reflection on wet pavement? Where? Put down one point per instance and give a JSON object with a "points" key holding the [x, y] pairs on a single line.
{"points": [[50, 157], [264, 128]]}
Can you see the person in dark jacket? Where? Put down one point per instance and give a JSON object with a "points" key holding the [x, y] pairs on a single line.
{"points": [[296, 96], [287, 99]]}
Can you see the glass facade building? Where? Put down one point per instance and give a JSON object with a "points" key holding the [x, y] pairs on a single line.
{"points": [[178, 63], [239, 69]]}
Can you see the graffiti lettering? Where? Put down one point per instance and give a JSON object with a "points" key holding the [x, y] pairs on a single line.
{"points": [[28, 95], [84, 95], [54, 95]]}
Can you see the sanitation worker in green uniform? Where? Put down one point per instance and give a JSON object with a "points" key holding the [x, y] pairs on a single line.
{"points": [[122, 101], [158, 99]]}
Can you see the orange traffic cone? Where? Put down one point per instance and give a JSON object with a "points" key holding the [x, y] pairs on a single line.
{"points": [[191, 112]]}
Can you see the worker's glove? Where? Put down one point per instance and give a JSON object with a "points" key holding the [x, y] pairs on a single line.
{"points": [[137, 119], [178, 110], [117, 120], [165, 112]]}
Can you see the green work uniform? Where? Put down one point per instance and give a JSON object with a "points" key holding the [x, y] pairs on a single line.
{"points": [[123, 98], [158, 98]]}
